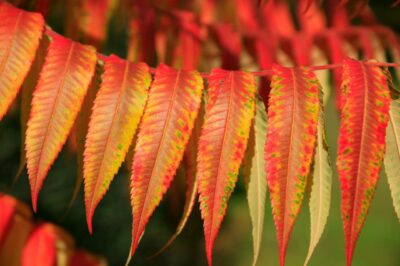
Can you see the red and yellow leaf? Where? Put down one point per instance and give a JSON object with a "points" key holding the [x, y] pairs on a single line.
{"points": [[229, 112], [117, 110], [65, 77], [361, 146], [289, 149], [20, 32], [168, 120]]}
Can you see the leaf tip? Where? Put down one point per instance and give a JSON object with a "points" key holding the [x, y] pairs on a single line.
{"points": [[89, 221]]}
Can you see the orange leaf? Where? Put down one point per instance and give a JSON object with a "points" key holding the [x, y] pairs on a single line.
{"points": [[292, 130], [168, 120], [361, 147], [20, 32], [58, 96], [229, 112], [117, 110]]}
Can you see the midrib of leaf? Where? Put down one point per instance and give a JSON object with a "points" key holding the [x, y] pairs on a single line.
{"points": [[123, 86], [151, 181], [11, 43], [289, 168], [355, 204], [48, 127], [220, 157]]}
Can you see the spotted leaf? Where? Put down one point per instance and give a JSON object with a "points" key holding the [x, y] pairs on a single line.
{"points": [[361, 143], [117, 110], [228, 115], [291, 136], [168, 120]]}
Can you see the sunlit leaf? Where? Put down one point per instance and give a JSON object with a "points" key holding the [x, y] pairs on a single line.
{"points": [[291, 137], [64, 79], [20, 32], [117, 110], [223, 140], [168, 120], [361, 143]]}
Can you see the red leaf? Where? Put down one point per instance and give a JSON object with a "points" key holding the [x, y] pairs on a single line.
{"points": [[7, 209], [361, 143], [20, 32], [40, 248], [58, 96], [223, 139], [292, 129]]}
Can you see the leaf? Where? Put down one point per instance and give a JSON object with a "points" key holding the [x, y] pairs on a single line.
{"points": [[361, 143], [187, 51], [392, 154], [117, 110], [26, 98], [223, 140], [257, 185], [168, 120], [46, 245], [20, 32], [7, 210], [320, 198], [58, 96], [291, 137], [40, 248]]}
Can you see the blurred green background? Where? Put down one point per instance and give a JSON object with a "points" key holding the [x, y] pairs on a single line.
{"points": [[379, 242]]}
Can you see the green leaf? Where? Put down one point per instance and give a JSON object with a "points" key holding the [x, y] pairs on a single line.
{"points": [[257, 184], [392, 155], [320, 198]]}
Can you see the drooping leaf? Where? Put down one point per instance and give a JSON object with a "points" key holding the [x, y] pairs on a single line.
{"points": [[392, 154], [142, 31], [230, 45], [291, 136], [117, 110], [257, 184], [20, 32], [26, 98], [58, 96], [223, 140], [361, 143], [187, 51], [320, 198], [168, 120]]}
